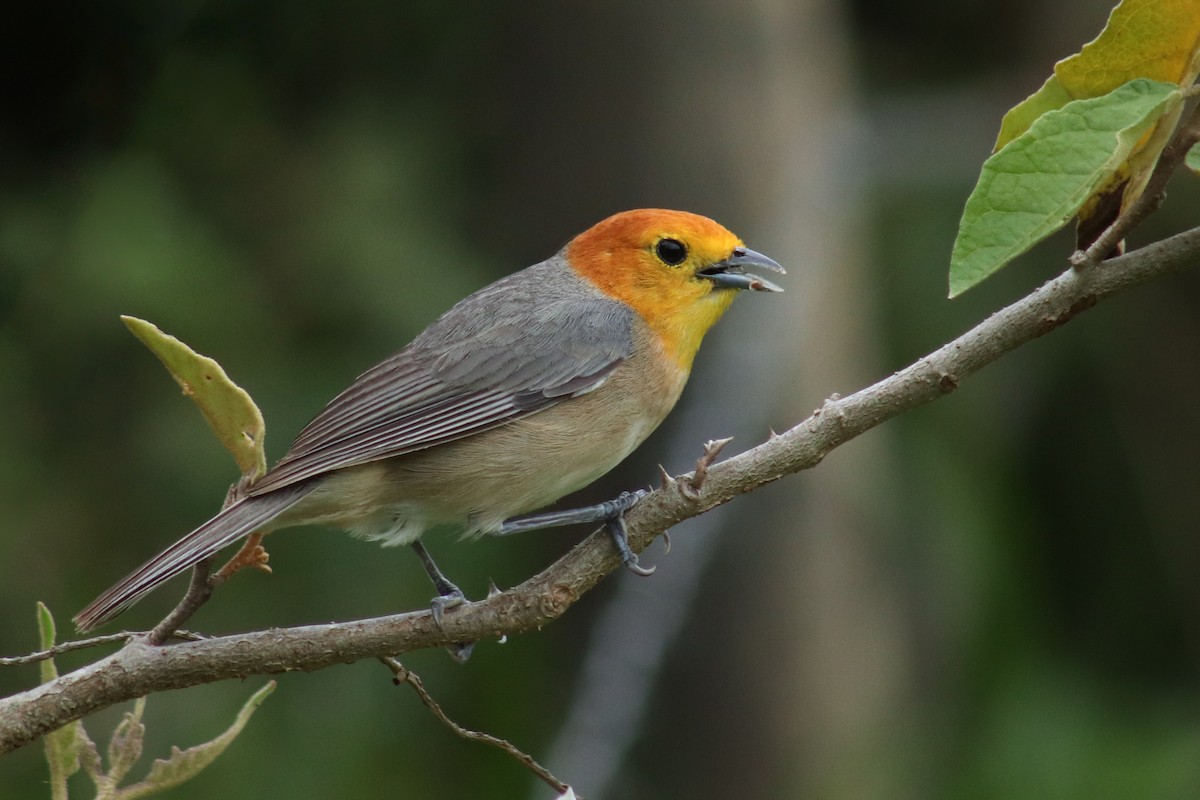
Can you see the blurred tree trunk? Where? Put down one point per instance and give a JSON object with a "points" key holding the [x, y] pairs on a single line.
{"points": [[830, 622]]}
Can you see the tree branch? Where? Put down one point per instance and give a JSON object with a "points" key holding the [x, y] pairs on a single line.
{"points": [[139, 669]]}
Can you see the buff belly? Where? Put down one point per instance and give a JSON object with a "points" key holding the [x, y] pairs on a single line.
{"points": [[478, 482]]}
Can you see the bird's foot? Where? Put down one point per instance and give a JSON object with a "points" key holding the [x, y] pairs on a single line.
{"points": [[450, 596], [614, 523]]}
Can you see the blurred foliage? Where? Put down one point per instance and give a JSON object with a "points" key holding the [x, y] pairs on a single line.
{"points": [[297, 189]]}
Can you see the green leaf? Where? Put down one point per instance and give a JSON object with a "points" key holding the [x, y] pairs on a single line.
{"points": [[1038, 181], [227, 408], [183, 765], [1051, 96], [63, 745], [1155, 39], [1193, 159], [47, 635]]}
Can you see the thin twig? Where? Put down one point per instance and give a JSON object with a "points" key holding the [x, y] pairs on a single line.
{"points": [[198, 592], [251, 555], [83, 644], [1155, 190], [404, 675], [690, 485], [65, 647]]}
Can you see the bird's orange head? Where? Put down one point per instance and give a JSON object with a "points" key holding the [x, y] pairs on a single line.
{"points": [[679, 271]]}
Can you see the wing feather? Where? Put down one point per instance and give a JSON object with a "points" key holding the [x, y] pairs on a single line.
{"points": [[496, 357]]}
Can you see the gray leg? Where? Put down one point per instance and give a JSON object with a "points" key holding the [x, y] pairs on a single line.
{"points": [[445, 589], [611, 513], [449, 596]]}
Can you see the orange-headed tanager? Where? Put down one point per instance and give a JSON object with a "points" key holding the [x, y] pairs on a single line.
{"points": [[525, 391]]}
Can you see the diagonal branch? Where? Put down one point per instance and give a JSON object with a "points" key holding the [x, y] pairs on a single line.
{"points": [[139, 669]]}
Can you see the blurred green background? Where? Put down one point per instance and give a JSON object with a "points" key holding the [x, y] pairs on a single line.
{"points": [[992, 597]]}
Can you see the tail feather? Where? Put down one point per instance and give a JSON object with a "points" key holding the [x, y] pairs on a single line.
{"points": [[233, 523]]}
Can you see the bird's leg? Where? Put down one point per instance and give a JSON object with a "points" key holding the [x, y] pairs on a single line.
{"points": [[611, 513], [601, 512], [449, 596]]}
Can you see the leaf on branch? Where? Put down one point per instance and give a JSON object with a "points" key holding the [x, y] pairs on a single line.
{"points": [[1040, 180], [1050, 97], [47, 635], [183, 765], [1155, 40], [227, 408], [1193, 159], [63, 746]]}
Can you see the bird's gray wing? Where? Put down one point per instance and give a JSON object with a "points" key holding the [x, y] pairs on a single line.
{"points": [[496, 357]]}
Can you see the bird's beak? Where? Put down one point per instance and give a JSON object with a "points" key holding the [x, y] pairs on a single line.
{"points": [[731, 272]]}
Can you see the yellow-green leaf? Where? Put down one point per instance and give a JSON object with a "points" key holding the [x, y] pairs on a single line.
{"points": [[227, 408], [1193, 159], [63, 745], [1155, 39], [1051, 96], [1037, 182], [1145, 153], [47, 635]]}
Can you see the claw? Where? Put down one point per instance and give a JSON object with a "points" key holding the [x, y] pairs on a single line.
{"points": [[637, 569], [451, 596], [615, 525], [460, 651], [450, 599]]}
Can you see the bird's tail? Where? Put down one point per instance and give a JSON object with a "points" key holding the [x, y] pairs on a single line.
{"points": [[233, 523]]}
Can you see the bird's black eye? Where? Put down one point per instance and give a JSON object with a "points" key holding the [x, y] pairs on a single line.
{"points": [[671, 251]]}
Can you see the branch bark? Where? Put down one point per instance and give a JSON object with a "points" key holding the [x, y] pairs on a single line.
{"points": [[139, 669]]}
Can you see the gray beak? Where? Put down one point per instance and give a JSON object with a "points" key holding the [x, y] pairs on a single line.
{"points": [[731, 273]]}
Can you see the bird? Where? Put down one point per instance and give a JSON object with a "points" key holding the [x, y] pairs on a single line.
{"points": [[523, 392]]}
